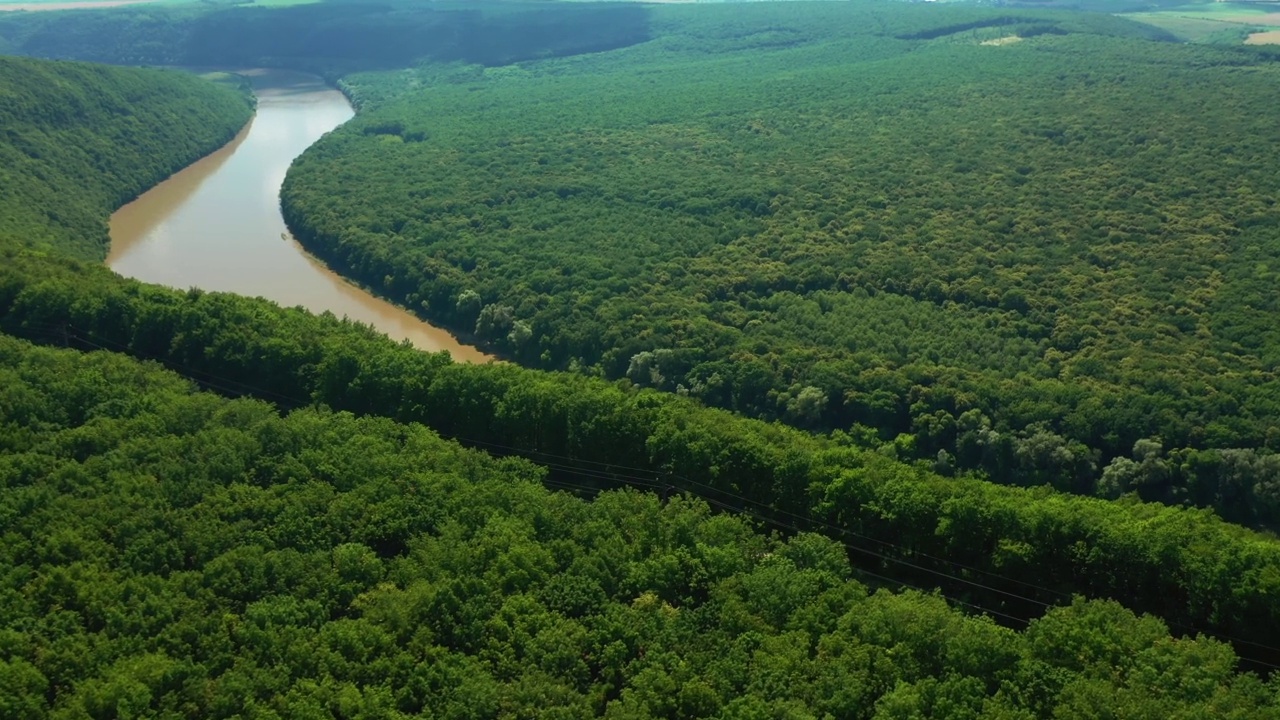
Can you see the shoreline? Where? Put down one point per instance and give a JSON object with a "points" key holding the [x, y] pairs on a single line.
{"points": [[180, 232]]}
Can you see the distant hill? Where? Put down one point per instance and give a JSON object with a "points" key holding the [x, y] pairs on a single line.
{"points": [[328, 38]]}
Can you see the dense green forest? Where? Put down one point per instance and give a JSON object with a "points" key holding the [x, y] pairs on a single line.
{"points": [[81, 140], [169, 553], [855, 213], [1010, 550], [377, 532]]}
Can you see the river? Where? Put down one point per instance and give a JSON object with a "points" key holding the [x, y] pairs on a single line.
{"points": [[216, 225]]}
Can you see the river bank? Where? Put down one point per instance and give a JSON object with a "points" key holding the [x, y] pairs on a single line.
{"points": [[216, 225]]}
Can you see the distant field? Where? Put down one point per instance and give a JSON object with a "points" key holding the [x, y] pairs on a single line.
{"points": [[1232, 12], [277, 3], [61, 5], [1271, 37], [1188, 29], [48, 5], [1202, 22]]}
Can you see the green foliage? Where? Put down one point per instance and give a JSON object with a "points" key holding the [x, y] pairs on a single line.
{"points": [[173, 554], [170, 553], [1022, 546], [859, 198], [81, 140]]}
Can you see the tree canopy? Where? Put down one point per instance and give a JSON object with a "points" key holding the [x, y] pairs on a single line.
{"points": [[168, 553], [1011, 550], [762, 209], [1022, 257]]}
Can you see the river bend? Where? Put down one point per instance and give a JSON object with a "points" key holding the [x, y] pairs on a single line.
{"points": [[216, 225]]}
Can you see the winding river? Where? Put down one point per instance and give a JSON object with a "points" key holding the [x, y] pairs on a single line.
{"points": [[216, 225]]}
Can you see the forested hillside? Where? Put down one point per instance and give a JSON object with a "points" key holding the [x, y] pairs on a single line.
{"points": [[173, 554], [1042, 245], [81, 140]]}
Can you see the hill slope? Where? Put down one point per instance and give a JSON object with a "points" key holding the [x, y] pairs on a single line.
{"points": [[81, 140]]}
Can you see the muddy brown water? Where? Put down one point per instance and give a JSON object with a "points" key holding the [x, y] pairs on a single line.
{"points": [[216, 225]]}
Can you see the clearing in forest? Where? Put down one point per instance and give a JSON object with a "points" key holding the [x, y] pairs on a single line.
{"points": [[1271, 37]]}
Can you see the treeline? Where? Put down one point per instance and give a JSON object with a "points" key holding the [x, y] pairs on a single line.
{"points": [[329, 38], [797, 214], [169, 553], [81, 140], [1009, 550]]}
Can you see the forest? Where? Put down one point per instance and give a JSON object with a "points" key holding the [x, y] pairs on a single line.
{"points": [[843, 215], [213, 506], [1013, 551], [170, 553]]}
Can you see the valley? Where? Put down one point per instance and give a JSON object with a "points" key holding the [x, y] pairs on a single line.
{"points": [[861, 360]]}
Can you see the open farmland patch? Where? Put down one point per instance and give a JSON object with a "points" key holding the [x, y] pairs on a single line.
{"points": [[79, 5], [1271, 37]]}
